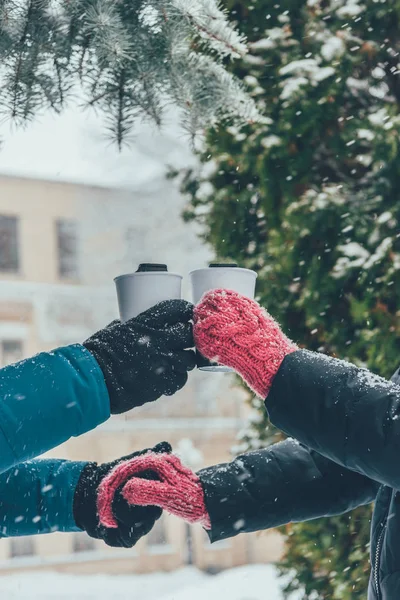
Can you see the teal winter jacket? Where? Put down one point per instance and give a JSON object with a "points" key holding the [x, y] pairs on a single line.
{"points": [[44, 401]]}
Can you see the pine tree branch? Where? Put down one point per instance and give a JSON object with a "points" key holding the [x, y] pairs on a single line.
{"points": [[120, 118], [46, 47], [208, 19], [19, 63]]}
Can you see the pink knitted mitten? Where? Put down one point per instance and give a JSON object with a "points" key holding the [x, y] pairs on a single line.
{"points": [[178, 490], [236, 332]]}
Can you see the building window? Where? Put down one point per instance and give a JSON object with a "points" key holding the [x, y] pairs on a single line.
{"points": [[9, 254], [21, 546], [67, 249], [83, 543], [158, 535], [11, 351]]}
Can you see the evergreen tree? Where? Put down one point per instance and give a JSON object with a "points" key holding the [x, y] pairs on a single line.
{"points": [[310, 199], [130, 58]]}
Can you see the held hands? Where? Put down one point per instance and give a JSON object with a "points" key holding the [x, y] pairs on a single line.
{"points": [[130, 521], [146, 357], [173, 487], [236, 332]]}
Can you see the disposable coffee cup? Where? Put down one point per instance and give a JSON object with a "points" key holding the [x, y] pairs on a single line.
{"points": [[226, 276], [150, 284]]}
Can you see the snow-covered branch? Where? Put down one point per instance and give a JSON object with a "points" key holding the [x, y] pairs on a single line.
{"points": [[131, 59]]}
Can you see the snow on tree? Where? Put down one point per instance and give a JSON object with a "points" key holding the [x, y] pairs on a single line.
{"points": [[131, 58]]}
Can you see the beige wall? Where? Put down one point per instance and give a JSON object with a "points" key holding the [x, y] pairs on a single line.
{"points": [[42, 311], [37, 204]]}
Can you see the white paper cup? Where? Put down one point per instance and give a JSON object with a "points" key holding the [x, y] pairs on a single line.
{"points": [[217, 276], [139, 291]]}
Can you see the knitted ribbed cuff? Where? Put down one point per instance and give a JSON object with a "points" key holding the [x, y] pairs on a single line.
{"points": [[236, 332]]}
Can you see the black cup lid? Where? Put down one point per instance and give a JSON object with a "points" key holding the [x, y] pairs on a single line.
{"points": [[149, 267], [222, 265]]}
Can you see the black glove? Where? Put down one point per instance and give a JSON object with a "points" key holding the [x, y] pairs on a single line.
{"points": [[133, 521], [145, 358]]}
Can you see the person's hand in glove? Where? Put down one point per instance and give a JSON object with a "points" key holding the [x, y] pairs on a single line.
{"points": [[130, 521], [235, 331], [146, 357], [175, 488]]}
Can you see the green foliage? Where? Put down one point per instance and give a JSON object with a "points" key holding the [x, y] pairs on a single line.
{"points": [[128, 58], [332, 553], [310, 199]]}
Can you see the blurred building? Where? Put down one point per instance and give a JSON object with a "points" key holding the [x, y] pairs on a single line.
{"points": [[61, 244]]}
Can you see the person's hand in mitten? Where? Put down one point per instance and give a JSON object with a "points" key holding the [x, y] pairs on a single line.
{"points": [[175, 489], [146, 357], [235, 331], [130, 521]]}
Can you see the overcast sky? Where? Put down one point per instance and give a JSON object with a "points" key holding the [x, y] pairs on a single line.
{"points": [[73, 147]]}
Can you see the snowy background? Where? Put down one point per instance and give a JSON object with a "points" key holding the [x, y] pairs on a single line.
{"points": [[73, 148], [255, 582]]}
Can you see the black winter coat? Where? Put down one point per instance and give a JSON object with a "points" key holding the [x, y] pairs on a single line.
{"points": [[347, 423]]}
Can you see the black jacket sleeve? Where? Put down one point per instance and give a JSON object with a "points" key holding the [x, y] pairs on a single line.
{"points": [[345, 413], [279, 484]]}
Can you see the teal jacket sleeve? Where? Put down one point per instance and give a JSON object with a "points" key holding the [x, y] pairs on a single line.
{"points": [[37, 497], [47, 399]]}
